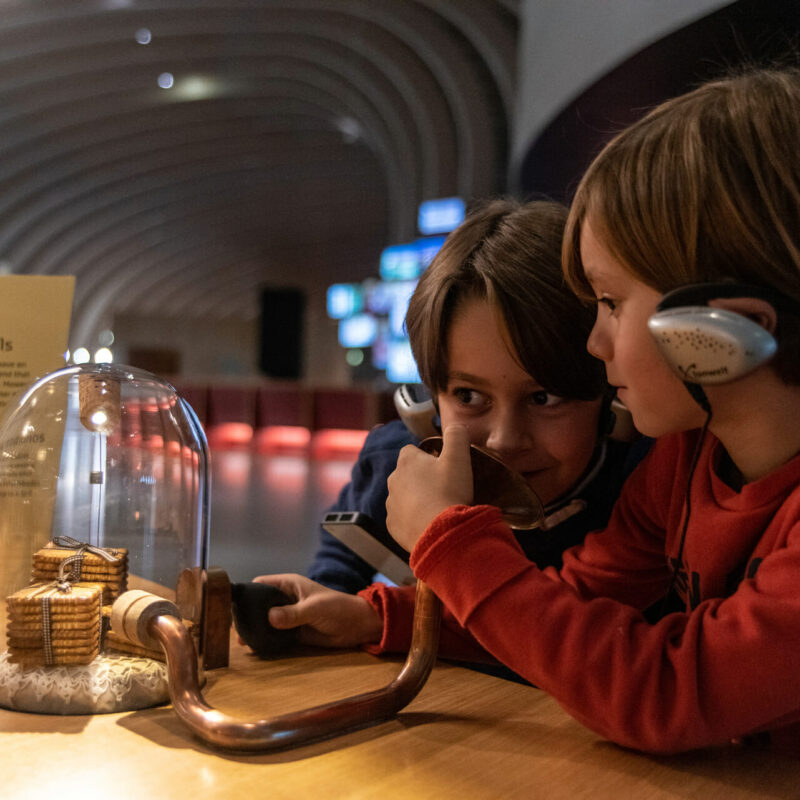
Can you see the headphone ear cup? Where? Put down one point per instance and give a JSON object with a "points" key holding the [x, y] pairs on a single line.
{"points": [[707, 345]]}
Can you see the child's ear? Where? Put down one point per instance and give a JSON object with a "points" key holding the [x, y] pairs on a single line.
{"points": [[754, 308]]}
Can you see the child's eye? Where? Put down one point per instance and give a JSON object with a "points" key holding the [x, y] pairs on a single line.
{"points": [[543, 398], [608, 302], [468, 397]]}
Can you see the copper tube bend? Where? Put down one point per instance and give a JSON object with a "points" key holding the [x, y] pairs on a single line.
{"points": [[299, 727]]}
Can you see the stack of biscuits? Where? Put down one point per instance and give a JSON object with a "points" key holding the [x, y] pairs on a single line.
{"points": [[54, 624], [63, 617], [88, 568], [119, 644], [58, 619]]}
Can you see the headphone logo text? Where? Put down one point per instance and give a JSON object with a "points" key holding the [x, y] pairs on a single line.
{"points": [[691, 373]]}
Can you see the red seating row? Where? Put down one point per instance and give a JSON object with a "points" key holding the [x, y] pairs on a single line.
{"points": [[286, 415]]}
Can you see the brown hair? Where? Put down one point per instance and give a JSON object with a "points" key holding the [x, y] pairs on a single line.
{"points": [[706, 187], [509, 254]]}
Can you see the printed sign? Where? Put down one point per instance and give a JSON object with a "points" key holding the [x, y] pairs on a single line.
{"points": [[35, 312]]}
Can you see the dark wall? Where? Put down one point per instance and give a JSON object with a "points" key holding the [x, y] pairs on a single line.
{"points": [[281, 332], [747, 31]]}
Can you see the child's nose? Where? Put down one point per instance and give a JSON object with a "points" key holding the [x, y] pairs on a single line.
{"points": [[507, 434], [598, 344]]}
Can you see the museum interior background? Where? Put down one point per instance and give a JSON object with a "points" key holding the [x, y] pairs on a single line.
{"points": [[209, 170]]}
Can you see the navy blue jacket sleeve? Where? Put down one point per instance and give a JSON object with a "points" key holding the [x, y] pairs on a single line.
{"points": [[334, 564]]}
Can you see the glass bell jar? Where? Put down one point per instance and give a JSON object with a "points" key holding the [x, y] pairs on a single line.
{"points": [[110, 456]]}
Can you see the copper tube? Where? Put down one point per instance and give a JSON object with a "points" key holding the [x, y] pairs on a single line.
{"points": [[299, 727]]}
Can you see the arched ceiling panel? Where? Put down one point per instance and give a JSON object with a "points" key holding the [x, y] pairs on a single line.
{"points": [[296, 141], [134, 173]]}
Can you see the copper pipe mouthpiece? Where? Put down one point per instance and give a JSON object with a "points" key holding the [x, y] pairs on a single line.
{"points": [[140, 618]]}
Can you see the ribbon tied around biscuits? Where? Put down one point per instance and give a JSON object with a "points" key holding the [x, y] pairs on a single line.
{"points": [[75, 562]]}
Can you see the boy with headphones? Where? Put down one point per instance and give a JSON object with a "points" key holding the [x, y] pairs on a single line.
{"points": [[703, 190], [506, 258], [685, 231], [501, 343]]}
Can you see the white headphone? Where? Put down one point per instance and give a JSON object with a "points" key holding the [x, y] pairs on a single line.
{"points": [[706, 345]]}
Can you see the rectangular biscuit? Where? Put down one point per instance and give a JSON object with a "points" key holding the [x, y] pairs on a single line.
{"points": [[27, 660], [19, 635], [77, 648], [120, 644], [50, 571], [56, 553], [33, 620], [81, 597]]}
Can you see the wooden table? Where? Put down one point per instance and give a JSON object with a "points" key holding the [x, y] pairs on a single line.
{"points": [[467, 736]]}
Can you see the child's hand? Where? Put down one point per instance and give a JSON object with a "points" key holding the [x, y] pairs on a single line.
{"points": [[325, 617], [422, 485]]}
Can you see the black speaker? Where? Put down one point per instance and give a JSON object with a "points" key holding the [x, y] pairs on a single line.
{"points": [[281, 340]]}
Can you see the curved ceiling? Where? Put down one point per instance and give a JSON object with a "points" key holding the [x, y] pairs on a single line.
{"points": [[293, 141]]}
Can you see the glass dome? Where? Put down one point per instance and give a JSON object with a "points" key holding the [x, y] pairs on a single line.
{"points": [[110, 456]]}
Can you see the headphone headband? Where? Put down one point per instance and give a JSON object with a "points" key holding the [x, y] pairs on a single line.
{"points": [[698, 294]]}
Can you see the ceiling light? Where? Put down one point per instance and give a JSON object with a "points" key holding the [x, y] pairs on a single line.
{"points": [[350, 129]]}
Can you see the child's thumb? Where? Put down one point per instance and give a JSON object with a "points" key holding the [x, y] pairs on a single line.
{"points": [[283, 617], [455, 448]]}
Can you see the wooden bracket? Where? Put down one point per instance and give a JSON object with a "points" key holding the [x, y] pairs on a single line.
{"points": [[204, 598], [217, 618]]}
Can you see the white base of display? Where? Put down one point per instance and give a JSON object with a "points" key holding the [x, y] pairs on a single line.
{"points": [[112, 682]]}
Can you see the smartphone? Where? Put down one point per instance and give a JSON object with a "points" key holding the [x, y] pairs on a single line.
{"points": [[360, 533], [414, 404]]}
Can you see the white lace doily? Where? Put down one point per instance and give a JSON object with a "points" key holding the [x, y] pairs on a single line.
{"points": [[109, 683]]}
